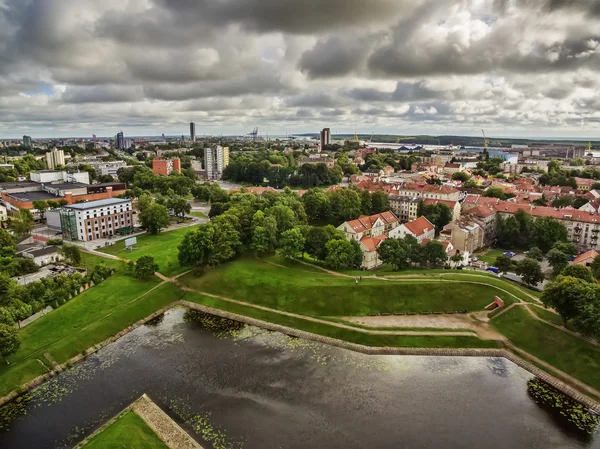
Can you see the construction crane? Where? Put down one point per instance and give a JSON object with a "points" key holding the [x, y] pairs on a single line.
{"points": [[254, 134], [371, 139], [485, 145]]}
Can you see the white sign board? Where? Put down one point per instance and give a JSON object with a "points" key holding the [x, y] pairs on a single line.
{"points": [[130, 242]]}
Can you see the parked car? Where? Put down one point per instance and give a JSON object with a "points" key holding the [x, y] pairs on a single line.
{"points": [[493, 270], [475, 259], [509, 254]]}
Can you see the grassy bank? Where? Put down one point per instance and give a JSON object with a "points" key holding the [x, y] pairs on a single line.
{"points": [[320, 294], [398, 341], [86, 320], [129, 431], [570, 354], [163, 247]]}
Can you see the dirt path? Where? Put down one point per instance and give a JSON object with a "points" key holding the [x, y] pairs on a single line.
{"points": [[326, 322]]}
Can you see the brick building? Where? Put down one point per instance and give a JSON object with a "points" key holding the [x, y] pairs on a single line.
{"points": [[165, 167]]}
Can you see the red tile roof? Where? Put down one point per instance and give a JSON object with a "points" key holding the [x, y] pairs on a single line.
{"points": [[543, 211], [372, 243], [591, 254], [482, 211], [419, 226], [450, 204], [479, 200], [365, 222]]}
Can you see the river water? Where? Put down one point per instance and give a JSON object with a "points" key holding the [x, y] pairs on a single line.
{"points": [[253, 389]]}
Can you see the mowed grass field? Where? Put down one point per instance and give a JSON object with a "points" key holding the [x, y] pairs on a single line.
{"points": [[84, 321], [570, 354], [129, 431], [163, 247], [320, 294]]}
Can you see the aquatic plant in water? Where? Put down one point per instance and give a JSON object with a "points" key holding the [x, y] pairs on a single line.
{"points": [[219, 327], [575, 413]]}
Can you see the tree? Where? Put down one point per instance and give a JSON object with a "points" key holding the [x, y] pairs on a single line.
{"points": [[340, 253], [154, 218], [284, 216], [535, 253], [41, 206], [569, 295], [562, 201], [588, 319], [379, 202], [547, 231], [72, 253], [394, 252], [9, 340], [495, 192], [580, 201], [503, 263], [22, 223], [461, 176], [316, 204], [145, 267], [530, 271], [196, 246], [557, 260], [316, 239], [457, 258], [260, 240], [579, 272], [434, 253], [8, 246], [226, 239], [292, 242], [438, 214], [595, 267], [179, 205]]}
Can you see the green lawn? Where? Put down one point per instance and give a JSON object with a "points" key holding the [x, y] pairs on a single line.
{"points": [[90, 261], [321, 294], [163, 247], [129, 431], [90, 318], [548, 315], [198, 214], [570, 354], [399, 341], [490, 256]]}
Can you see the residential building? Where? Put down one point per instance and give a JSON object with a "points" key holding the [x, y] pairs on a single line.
{"points": [[96, 219], [450, 168], [454, 206], [3, 214], [27, 142], [464, 234], [584, 184], [404, 207], [370, 231], [586, 258], [328, 161], [216, 158], [430, 191], [192, 131], [325, 137], [369, 226], [165, 167], [55, 158], [421, 229], [485, 216]]}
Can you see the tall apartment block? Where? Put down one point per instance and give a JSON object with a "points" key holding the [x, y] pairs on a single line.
{"points": [[192, 131], [325, 137], [215, 160], [55, 158], [165, 167]]}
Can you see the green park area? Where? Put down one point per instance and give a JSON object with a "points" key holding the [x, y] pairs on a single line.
{"points": [[163, 247], [491, 256], [82, 322], [320, 294], [129, 431], [562, 350]]}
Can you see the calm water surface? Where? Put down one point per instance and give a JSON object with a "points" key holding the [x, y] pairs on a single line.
{"points": [[259, 390]]}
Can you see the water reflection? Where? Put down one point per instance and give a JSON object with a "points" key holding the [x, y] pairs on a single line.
{"points": [[236, 386]]}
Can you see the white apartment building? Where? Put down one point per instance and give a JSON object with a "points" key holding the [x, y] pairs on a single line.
{"points": [[3, 214], [55, 158], [215, 160], [96, 219]]}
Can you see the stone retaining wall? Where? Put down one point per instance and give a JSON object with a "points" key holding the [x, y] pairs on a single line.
{"points": [[464, 352]]}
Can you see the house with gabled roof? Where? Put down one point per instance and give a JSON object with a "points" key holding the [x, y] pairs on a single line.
{"points": [[421, 229]]}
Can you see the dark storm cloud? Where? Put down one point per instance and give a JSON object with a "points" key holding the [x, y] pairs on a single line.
{"points": [[103, 94], [315, 100], [332, 57]]}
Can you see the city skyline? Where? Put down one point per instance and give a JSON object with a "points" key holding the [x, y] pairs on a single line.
{"points": [[514, 68]]}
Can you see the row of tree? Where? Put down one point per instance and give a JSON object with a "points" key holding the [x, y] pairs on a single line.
{"points": [[408, 252], [521, 231]]}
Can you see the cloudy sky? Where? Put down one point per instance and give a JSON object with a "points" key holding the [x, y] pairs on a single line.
{"points": [[512, 67]]}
